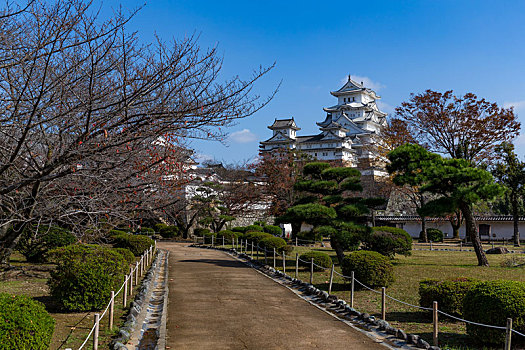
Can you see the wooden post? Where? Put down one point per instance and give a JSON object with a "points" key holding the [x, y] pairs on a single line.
{"points": [[95, 332], [131, 282], [492, 244], [296, 241], [257, 252], [223, 241], [296, 265], [137, 274], [195, 239], [111, 309], [125, 294], [312, 271], [246, 247], [284, 262], [383, 303], [461, 246], [212, 238], [352, 290], [508, 334], [274, 258], [240, 251], [435, 321], [430, 245], [331, 279]]}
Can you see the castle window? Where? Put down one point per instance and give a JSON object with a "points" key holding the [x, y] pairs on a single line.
{"points": [[315, 154]]}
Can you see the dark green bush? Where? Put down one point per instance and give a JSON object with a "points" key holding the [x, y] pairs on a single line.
{"points": [[200, 231], [269, 243], [126, 254], [320, 258], [273, 230], [260, 223], [24, 323], [434, 235], [388, 241], [370, 268], [228, 236], [239, 229], [254, 228], [137, 244], [35, 242], [306, 237], [492, 302], [114, 233], [448, 293], [169, 231], [256, 237], [159, 226], [85, 276]]}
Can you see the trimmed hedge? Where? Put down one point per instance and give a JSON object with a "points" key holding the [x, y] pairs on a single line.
{"points": [[492, 302], [85, 276], [448, 293], [388, 241], [370, 268], [137, 244], [24, 323], [148, 231], [228, 236], [273, 230], [269, 243], [305, 237], [168, 231], [434, 235], [320, 258], [239, 229], [126, 254], [200, 231], [256, 237], [254, 228], [36, 242]]}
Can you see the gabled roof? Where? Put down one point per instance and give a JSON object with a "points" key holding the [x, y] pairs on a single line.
{"points": [[333, 125], [353, 128], [278, 137], [284, 124], [352, 86]]}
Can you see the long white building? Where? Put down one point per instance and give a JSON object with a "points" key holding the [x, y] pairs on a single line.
{"points": [[348, 133]]}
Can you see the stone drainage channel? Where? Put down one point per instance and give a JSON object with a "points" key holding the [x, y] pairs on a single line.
{"points": [[377, 329], [145, 326]]}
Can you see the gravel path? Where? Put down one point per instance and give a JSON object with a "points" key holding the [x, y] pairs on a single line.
{"points": [[216, 302]]}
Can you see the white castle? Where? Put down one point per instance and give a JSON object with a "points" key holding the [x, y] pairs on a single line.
{"points": [[350, 129]]}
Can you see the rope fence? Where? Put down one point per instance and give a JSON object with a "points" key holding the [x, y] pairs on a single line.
{"points": [[138, 270], [246, 247]]}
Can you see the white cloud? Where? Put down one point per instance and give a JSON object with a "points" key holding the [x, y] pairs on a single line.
{"points": [[201, 158], [367, 82], [243, 136]]}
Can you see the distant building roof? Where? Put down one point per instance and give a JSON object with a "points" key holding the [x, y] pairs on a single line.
{"points": [[483, 218], [284, 124]]}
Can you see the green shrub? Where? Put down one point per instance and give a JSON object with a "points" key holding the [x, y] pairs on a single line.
{"points": [[434, 235], [85, 276], [269, 243], [260, 223], [448, 293], [305, 237], [320, 258], [148, 231], [239, 229], [388, 241], [137, 244], [256, 237], [228, 236], [254, 228], [200, 231], [159, 226], [370, 268], [169, 231], [36, 242], [492, 302], [114, 233], [273, 230], [24, 323], [126, 254]]}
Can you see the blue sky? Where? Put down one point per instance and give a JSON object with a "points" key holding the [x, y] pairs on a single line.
{"points": [[396, 47]]}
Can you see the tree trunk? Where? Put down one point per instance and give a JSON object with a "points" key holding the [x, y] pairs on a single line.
{"points": [[470, 224], [423, 235], [455, 222], [515, 219], [338, 249]]}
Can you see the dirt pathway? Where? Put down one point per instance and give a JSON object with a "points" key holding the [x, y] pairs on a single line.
{"points": [[216, 302]]}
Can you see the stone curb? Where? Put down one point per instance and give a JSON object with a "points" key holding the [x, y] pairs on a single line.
{"points": [[395, 338]]}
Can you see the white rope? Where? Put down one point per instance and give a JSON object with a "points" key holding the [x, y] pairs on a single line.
{"points": [[515, 331], [471, 322], [408, 304], [87, 338]]}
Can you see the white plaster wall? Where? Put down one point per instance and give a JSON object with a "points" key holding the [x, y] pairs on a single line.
{"points": [[502, 229]]}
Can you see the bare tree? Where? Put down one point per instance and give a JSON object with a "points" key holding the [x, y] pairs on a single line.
{"points": [[90, 120]]}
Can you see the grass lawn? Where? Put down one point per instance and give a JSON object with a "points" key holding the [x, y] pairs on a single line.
{"points": [[71, 328], [408, 272]]}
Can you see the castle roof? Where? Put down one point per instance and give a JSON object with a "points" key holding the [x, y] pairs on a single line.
{"points": [[352, 86], [284, 124]]}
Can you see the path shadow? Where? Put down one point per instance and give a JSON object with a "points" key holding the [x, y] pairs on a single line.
{"points": [[51, 304], [217, 262]]}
